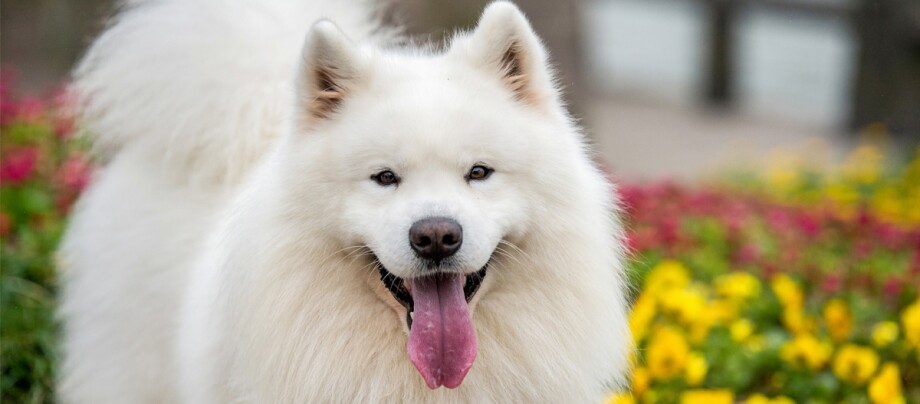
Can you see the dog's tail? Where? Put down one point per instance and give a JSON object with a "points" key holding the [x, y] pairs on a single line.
{"points": [[202, 85]]}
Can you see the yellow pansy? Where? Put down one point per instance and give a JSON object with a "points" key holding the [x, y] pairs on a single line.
{"points": [[722, 310], [696, 369], [714, 396], [641, 316], [741, 329], [787, 290], [884, 333], [667, 275], [620, 398], [910, 321], [667, 354], [686, 305], [797, 321], [855, 364], [838, 319], [640, 381], [886, 387], [806, 351], [737, 286]]}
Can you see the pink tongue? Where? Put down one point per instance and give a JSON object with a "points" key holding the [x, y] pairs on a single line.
{"points": [[442, 342]]}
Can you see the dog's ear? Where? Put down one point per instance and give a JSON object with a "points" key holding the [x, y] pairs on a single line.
{"points": [[328, 71], [506, 45]]}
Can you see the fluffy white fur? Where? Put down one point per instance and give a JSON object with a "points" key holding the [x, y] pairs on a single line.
{"points": [[223, 252]]}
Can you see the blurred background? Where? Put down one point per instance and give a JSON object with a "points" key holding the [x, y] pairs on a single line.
{"points": [[667, 87], [767, 154]]}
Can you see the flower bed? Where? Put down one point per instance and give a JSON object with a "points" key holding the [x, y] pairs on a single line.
{"points": [[42, 171], [758, 293]]}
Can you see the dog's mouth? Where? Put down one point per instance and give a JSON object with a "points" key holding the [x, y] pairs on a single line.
{"points": [[401, 291], [442, 341]]}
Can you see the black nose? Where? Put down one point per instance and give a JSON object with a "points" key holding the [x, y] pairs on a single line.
{"points": [[436, 238]]}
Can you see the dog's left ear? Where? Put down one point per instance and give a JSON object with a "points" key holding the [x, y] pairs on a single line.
{"points": [[505, 44]]}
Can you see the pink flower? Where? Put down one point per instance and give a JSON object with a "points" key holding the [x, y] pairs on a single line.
{"points": [[63, 126], [31, 110], [778, 219], [74, 173], [892, 287], [748, 254], [18, 164], [808, 224], [8, 106], [832, 283]]}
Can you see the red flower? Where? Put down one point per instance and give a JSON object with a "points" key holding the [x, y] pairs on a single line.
{"points": [[18, 164]]}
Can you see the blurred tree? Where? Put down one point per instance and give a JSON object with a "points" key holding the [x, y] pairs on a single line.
{"points": [[888, 79], [43, 38]]}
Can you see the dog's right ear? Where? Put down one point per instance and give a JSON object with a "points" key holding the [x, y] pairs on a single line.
{"points": [[328, 71]]}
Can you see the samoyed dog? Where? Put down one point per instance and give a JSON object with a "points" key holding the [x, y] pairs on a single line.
{"points": [[292, 211]]}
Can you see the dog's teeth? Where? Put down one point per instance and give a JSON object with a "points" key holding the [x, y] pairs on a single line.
{"points": [[412, 315]]}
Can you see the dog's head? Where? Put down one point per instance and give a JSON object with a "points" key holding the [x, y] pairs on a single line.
{"points": [[431, 164]]}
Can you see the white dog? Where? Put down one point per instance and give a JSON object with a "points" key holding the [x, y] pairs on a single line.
{"points": [[348, 220]]}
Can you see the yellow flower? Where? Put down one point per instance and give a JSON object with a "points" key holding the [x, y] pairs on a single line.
{"points": [[762, 399], [686, 305], [796, 321], [886, 387], [910, 321], [864, 166], [667, 354], [806, 351], [620, 398], [738, 286], [884, 333], [722, 310], [741, 330], [716, 312], [788, 292], [667, 275], [696, 369], [855, 364], [714, 396], [641, 316], [838, 319], [640, 382], [783, 172], [887, 204]]}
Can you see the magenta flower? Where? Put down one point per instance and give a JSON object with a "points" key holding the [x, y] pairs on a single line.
{"points": [[18, 164]]}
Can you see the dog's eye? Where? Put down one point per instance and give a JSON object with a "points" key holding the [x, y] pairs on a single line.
{"points": [[478, 173], [385, 178]]}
